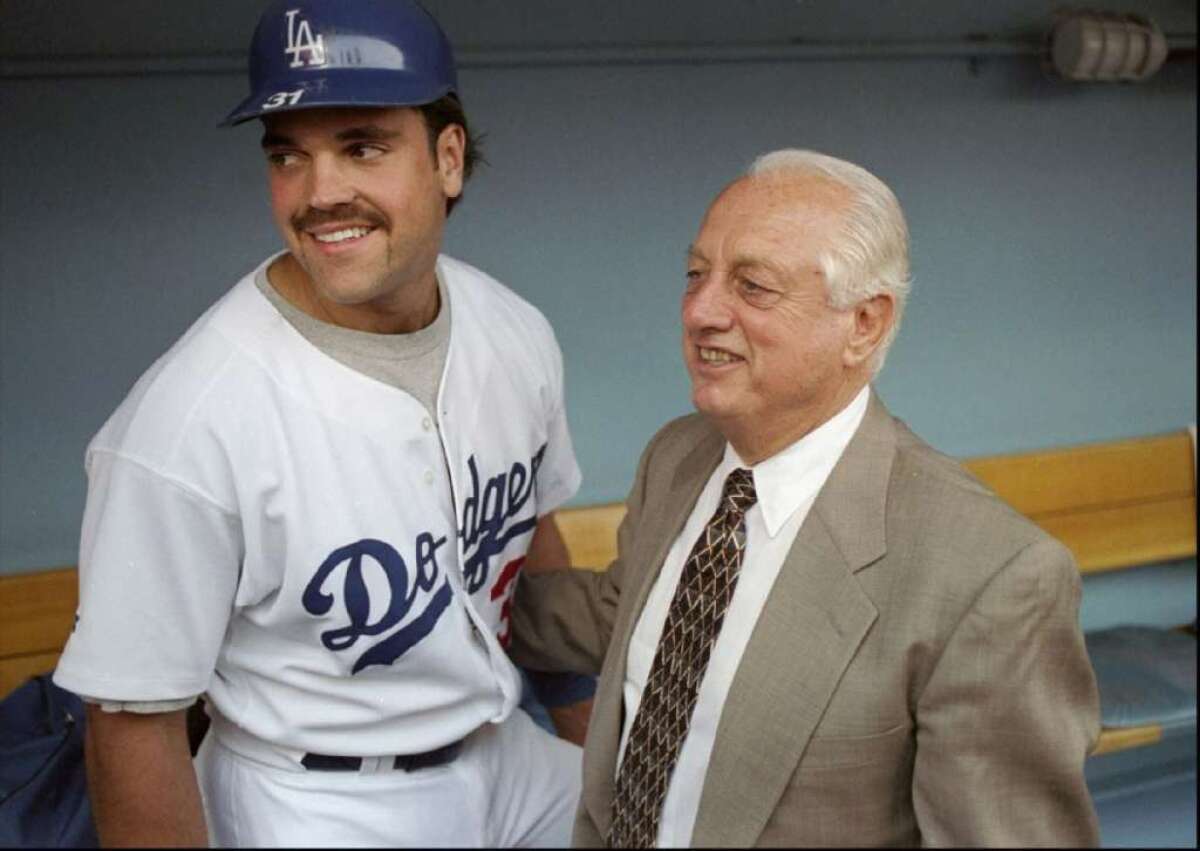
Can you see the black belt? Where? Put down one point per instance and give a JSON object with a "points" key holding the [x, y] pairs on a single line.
{"points": [[412, 762]]}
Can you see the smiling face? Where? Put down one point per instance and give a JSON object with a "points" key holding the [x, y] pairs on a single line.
{"points": [[768, 356], [361, 201]]}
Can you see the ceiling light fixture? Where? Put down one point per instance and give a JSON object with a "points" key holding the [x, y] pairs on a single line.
{"points": [[1086, 46]]}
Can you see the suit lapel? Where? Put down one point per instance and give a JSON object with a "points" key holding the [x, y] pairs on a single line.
{"points": [[660, 525], [807, 634]]}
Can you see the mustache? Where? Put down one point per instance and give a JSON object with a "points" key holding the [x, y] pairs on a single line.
{"points": [[341, 213]]}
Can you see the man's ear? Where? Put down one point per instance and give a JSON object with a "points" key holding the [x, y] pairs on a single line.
{"points": [[451, 154], [872, 318]]}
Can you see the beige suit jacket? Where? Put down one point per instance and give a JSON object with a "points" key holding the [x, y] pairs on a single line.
{"points": [[917, 675]]}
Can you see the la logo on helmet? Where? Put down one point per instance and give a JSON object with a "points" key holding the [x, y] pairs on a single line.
{"points": [[300, 39]]}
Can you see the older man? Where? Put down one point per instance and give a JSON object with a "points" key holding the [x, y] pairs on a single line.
{"points": [[818, 630]]}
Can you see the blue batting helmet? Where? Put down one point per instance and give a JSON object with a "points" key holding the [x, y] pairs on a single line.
{"points": [[312, 53]]}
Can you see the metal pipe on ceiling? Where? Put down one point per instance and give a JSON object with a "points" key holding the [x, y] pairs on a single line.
{"points": [[14, 67]]}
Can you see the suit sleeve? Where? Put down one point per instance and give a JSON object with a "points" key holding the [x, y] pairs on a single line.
{"points": [[563, 619], [1009, 714]]}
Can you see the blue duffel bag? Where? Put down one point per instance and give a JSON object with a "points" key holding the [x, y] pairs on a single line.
{"points": [[43, 787]]}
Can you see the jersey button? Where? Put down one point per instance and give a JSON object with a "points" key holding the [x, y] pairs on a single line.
{"points": [[427, 424], [429, 477]]}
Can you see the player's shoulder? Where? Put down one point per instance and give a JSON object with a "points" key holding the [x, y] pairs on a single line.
{"points": [[488, 300], [170, 397]]}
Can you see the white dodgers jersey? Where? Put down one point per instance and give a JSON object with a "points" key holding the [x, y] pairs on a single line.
{"points": [[271, 527]]}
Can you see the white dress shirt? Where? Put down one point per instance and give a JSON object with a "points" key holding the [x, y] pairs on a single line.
{"points": [[787, 484]]}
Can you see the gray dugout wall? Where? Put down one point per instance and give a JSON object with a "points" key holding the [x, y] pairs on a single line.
{"points": [[1054, 255], [1053, 246]]}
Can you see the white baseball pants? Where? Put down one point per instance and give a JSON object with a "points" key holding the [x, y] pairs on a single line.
{"points": [[513, 785]]}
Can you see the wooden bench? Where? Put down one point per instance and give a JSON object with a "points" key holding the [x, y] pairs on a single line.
{"points": [[1116, 505], [37, 611]]}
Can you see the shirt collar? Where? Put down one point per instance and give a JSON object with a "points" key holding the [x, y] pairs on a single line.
{"points": [[795, 474]]}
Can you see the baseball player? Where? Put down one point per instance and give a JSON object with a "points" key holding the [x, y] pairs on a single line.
{"points": [[315, 506]]}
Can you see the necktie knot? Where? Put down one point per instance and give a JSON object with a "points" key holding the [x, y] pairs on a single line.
{"points": [[738, 494]]}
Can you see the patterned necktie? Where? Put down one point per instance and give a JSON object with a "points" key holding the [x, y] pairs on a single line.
{"points": [[665, 712]]}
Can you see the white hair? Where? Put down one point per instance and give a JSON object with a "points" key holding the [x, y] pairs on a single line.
{"points": [[870, 255]]}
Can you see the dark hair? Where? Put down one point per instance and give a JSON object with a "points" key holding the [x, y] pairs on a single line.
{"points": [[441, 114]]}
